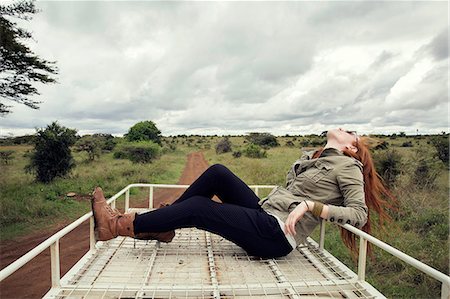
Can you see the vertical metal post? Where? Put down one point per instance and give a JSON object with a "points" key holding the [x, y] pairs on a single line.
{"points": [[127, 200], [256, 191], [91, 233], [445, 291], [362, 258], [113, 204], [150, 198], [54, 261], [322, 234]]}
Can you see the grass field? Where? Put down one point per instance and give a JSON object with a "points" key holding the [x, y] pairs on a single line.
{"points": [[420, 227], [27, 206]]}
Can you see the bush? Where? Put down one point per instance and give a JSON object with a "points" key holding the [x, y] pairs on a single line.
{"points": [[381, 146], [52, 156], [388, 165], [255, 151], [6, 156], [314, 142], [290, 143], [223, 146], [407, 144], [441, 145], [144, 131], [263, 139], [107, 141], [90, 145], [426, 169], [237, 154], [138, 152]]}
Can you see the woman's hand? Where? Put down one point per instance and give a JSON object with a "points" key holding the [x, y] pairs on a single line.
{"points": [[294, 217]]}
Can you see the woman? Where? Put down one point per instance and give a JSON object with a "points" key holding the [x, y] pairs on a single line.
{"points": [[338, 183]]}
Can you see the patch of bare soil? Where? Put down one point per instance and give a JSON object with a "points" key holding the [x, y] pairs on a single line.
{"points": [[33, 279]]}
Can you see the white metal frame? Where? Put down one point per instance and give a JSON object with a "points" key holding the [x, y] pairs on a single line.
{"points": [[53, 243]]}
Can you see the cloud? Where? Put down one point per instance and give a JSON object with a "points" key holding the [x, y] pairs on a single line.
{"points": [[236, 67]]}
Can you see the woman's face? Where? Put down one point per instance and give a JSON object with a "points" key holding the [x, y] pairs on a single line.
{"points": [[343, 137]]}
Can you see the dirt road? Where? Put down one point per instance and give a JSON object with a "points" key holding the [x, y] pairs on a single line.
{"points": [[33, 279]]}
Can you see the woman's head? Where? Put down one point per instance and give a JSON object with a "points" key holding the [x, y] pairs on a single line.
{"points": [[342, 139]]}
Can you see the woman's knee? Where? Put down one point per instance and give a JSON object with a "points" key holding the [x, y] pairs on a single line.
{"points": [[218, 169]]}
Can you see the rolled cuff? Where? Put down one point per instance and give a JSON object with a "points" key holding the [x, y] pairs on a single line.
{"points": [[356, 216]]}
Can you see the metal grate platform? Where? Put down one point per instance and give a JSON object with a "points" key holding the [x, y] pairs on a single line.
{"points": [[198, 264]]}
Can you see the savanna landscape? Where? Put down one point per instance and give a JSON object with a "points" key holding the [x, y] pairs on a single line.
{"points": [[414, 167]]}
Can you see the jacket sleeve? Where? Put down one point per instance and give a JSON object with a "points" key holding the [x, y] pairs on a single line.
{"points": [[354, 209]]}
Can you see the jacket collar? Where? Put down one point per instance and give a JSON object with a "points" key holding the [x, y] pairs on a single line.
{"points": [[331, 152]]}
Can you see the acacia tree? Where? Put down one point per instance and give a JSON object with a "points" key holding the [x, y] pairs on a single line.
{"points": [[20, 67], [143, 131]]}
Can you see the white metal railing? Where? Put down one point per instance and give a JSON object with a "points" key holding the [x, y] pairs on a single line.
{"points": [[362, 257], [53, 242]]}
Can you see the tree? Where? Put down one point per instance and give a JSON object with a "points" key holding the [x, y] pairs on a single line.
{"points": [[19, 66], [52, 156], [144, 131], [263, 139], [89, 144]]}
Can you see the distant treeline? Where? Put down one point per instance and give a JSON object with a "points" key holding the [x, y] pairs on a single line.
{"points": [[28, 139]]}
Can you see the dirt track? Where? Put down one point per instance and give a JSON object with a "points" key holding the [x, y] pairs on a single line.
{"points": [[33, 279]]}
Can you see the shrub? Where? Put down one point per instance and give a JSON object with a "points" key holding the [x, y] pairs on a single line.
{"points": [[263, 139], [237, 154], [382, 145], [425, 174], [290, 143], [441, 145], [425, 169], [407, 144], [107, 141], [304, 142], [255, 151], [138, 152], [52, 156], [90, 145], [6, 156], [144, 131], [388, 165], [223, 146]]}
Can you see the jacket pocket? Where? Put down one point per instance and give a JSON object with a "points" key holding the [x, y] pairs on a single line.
{"points": [[281, 199], [317, 172]]}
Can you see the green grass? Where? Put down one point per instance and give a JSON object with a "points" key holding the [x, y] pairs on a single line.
{"points": [[27, 206]]}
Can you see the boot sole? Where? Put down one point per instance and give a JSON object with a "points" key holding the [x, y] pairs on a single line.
{"points": [[95, 221]]}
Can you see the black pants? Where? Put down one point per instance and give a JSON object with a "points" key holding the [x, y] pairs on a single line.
{"points": [[239, 218]]}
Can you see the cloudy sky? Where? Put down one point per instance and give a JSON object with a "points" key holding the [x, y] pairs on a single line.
{"points": [[237, 67]]}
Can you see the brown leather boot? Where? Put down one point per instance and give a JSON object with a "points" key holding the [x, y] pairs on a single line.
{"points": [[165, 237], [111, 223]]}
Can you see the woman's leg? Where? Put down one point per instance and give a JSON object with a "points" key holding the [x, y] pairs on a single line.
{"points": [[252, 229], [220, 181]]}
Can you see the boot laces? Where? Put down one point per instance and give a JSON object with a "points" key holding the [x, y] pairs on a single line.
{"points": [[111, 211]]}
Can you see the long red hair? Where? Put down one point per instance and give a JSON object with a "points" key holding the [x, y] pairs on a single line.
{"points": [[378, 198]]}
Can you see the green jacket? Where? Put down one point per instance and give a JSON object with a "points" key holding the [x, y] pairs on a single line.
{"points": [[333, 179]]}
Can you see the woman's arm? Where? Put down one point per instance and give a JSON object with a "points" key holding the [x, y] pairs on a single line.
{"points": [[298, 212]]}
